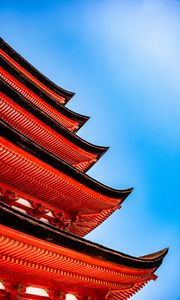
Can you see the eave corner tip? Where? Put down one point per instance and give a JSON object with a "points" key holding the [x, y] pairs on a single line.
{"points": [[156, 255]]}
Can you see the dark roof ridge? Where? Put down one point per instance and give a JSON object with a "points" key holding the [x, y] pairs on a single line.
{"points": [[31, 69], [81, 119], [154, 255], [44, 155], [29, 225], [59, 128]]}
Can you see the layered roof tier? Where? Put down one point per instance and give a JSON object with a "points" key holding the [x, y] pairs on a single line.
{"points": [[38, 255], [19, 82], [34, 123], [46, 179], [48, 203], [33, 75]]}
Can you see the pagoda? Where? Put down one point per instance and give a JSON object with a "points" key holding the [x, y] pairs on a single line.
{"points": [[48, 202]]}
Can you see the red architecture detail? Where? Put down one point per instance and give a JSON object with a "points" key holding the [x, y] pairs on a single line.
{"points": [[47, 201], [34, 75], [33, 98], [40, 133]]}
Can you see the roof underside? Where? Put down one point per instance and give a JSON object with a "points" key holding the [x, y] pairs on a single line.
{"points": [[41, 156], [47, 203], [38, 254], [38, 131], [57, 184], [34, 75], [16, 79]]}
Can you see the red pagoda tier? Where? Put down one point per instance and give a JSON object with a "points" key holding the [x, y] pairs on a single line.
{"points": [[47, 201], [33, 75]]}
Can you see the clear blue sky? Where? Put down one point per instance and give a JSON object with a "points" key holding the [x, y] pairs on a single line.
{"points": [[122, 58]]}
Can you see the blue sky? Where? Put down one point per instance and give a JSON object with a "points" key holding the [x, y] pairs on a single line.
{"points": [[122, 58]]}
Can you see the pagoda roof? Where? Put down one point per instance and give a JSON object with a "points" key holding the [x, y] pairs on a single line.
{"points": [[17, 113], [24, 223], [48, 203], [21, 83], [90, 153], [41, 175], [44, 155], [34, 75], [64, 258]]}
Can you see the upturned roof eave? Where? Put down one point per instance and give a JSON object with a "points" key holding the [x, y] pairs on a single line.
{"points": [[59, 128], [31, 69], [79, 118], [44, 155], [26, 224]]}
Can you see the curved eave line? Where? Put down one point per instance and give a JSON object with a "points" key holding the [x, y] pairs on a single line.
{"points": [[44, 155], [46, 232], [81, 119], [33, 71], [38, 113], [104, 150], [156, 255]]}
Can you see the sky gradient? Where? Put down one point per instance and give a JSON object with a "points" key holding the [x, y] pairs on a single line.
{"points": [[122, 59]]}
